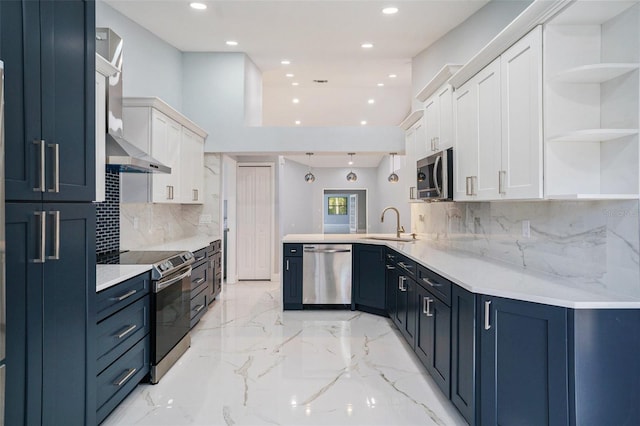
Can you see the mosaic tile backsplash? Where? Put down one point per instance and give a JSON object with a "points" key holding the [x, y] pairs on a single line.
{"points": [[108, 216]]}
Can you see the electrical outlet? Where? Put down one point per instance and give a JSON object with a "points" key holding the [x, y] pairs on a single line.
{"points": [[526, 228], [205, 218]]}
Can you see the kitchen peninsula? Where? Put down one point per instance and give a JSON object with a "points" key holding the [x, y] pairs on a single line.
{"points": [[501, 341]]}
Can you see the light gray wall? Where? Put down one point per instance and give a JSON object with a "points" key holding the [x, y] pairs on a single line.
{"points": [[391, 195], [463, 42], [213, 90], [252, 94], [151, 67]]}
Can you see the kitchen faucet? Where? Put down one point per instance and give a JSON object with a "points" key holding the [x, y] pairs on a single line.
{"points": [[399, 228]]}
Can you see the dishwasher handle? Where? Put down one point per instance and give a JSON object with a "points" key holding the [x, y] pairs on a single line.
{"points": [[327, 250]]}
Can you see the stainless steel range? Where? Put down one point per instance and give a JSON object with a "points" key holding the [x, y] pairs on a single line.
{"points": [[170, 303]]}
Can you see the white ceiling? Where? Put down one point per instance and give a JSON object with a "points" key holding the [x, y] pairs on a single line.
{"points": [[322, 39], [321, 160]]}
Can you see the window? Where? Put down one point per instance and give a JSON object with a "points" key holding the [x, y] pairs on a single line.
{"points": [[337, 205]]}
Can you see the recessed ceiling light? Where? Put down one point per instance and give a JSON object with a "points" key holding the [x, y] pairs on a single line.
{"points": [[295, 83], [297, 122], [232, 43], [392, 76], [380, 84], [390, 10], [198, 6], [366, 45], [371, 101], [285, 62], [296, 101], [289, 75], [363, 123]]}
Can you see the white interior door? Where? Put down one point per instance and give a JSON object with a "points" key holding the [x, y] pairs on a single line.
{"points": [[254, 222]]}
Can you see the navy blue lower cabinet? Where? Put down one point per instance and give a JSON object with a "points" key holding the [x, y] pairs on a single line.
{"points": [[523, 363], [391, 285], [50, 297], [292, 283], [433, 337], [369, 278], [407, 312], [463, 352], [603, 354]]}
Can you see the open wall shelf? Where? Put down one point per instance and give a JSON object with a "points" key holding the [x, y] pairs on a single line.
{"points": [[594, 73], [593, 135]]}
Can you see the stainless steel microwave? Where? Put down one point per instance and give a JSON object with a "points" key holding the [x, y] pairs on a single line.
{"points": [[435, 176]]}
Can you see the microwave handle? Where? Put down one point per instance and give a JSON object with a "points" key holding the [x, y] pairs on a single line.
{"points": [[435, 175]]}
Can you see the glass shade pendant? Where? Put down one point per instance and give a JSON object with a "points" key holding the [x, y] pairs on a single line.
{"points": [[393, 177], [351, 177], [309, 177]]}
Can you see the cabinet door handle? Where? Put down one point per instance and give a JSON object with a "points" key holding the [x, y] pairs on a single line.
{"points": [[428, 310], [42, 144], [405, 266], [56, 167], [198, 259], [126, 295], [43, 232], [401, 283], [502, 174], [195, 195], [198, 308], [56, 235], [487, 308], [127, 331], [436, 143], [172, 192], [168, 192], [126, 377], [199, 280], [287, 264], [468, 186], [389, 267], [425, 306]]}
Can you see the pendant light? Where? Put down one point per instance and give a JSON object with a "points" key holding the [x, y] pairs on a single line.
{"points": [[393, 177], [309, 177], [351, 177]]}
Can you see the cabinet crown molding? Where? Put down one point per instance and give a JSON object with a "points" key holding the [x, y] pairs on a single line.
{"points": [[538, 12], [104, 67], [411, 119], [168, 110], [441, 77]]}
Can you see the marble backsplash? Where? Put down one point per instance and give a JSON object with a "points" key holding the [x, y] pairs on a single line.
{"points": [[590, 243], [146, 224]]}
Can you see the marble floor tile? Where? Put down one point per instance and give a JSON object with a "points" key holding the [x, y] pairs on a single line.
{"points": [[250, 363]]}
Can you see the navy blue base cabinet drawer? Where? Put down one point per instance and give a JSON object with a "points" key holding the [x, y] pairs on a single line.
{"points": [[117, 297], [198, 307], [120, 332], [115, 383]]}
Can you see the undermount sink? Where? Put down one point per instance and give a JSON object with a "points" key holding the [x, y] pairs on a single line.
{"points": [[401, 239]]}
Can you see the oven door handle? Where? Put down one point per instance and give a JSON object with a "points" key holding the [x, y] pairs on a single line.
{"points": [[160, 285]]}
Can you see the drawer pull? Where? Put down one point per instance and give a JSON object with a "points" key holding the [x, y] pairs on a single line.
{"points": [[127, 331], [199, 281], [198, 259], [389, 267], [126, 377], [198, 308], [405, 266], [431, 283], [124, 296]]}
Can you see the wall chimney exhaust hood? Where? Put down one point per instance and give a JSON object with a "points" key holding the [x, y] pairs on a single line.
{"points": [[122, 155]]}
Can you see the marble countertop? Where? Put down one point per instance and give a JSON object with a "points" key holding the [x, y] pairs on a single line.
{"points": [[110, 275], [488, 276]]}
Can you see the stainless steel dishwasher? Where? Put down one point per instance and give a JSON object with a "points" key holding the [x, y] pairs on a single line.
{"points": [[326, 274]]}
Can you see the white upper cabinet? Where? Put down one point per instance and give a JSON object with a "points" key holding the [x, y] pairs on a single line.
{"points": [[522, 141], [415, 149], [437, 96], [498, 129], [172, 139], [591, 113], [192, 159]]}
